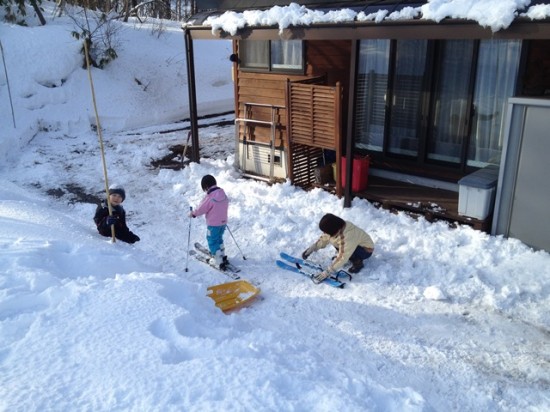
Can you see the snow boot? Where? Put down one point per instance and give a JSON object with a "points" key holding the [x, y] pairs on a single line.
{"points": [[225, 262], [217, 260], [356, 266]]}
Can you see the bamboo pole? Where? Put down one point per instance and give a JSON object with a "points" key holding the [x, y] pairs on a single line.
{"points": [[100, 138]]}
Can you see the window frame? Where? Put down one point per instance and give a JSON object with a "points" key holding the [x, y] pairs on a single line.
{"points": [[269, 67], [421, 161]]}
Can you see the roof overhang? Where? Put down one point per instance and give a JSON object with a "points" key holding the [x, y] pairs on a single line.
{"points": [[364, 5], [410, 29]]}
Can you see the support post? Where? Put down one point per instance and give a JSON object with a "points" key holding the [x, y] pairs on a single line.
{"points": [[351, 124], [191, 88]]}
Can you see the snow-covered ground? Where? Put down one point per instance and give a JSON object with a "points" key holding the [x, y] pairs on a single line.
{"points": [[440, 319]]}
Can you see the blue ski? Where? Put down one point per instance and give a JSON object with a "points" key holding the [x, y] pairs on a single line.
{"points": [[293, 268], [312, 265], [300, 261]]}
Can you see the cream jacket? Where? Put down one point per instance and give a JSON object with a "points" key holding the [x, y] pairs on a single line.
{"points": [[345, 241]]}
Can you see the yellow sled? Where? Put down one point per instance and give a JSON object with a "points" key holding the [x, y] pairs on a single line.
{"points": [[232, 295]]}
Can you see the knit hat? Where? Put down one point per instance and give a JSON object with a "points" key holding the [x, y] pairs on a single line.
{"points": [[207, 182], [331, 224], [119, 190]]}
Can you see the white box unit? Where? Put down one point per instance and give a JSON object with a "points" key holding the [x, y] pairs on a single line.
{"points": [[256, 158], [476, 193]]}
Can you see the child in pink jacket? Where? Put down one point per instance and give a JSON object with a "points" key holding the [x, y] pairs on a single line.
{"points": [[214, 206]]}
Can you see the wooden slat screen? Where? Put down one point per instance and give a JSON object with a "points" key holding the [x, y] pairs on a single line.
{"points": [[304, 160], [314, 123], [312, 115]]}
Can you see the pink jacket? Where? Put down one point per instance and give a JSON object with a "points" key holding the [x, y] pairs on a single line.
{"points": [[214, 206]]}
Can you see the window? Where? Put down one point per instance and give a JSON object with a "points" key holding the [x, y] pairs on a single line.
{"points": [[406, 100], [254, 54], [450, 111], [497, 70], [274, 55], [372, 87], [435, 101]]}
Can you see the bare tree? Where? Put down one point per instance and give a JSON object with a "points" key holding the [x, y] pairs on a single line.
{"points": [[100, 33]]}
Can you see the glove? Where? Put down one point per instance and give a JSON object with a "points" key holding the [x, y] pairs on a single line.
{"points": [[306, 253], [111, 220], [319, 277], [191, 214]]}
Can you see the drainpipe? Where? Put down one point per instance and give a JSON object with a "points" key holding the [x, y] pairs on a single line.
{"points": [[192, 96], [350, 123]]}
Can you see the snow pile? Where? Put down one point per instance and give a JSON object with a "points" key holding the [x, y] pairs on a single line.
{"points": [[150, 77]]}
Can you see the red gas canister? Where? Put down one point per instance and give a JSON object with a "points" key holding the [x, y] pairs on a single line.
{"points": [[360, 173]]}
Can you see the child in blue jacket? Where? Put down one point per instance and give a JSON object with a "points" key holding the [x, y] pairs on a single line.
{"points": [[104, 222]]}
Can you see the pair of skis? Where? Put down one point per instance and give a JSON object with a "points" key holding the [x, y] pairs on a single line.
{"points": [[202, 254], [288, 262], [310, 269]]}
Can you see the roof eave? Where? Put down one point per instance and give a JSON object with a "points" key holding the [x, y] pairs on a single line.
{"points": [[521, 28]]}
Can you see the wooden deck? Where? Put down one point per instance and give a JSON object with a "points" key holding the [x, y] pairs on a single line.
{"points": [[433, 204]]}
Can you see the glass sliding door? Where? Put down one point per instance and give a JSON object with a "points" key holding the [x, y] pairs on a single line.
{"points": [[497, 71], [406, 100], [451, 106], [421, 102], [372, 88]]}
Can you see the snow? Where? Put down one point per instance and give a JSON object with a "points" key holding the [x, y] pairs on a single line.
{"points": [[440, 318], [495, 14]]}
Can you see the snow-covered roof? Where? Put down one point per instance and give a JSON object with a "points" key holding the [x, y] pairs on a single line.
{"points": [[496, 15]]}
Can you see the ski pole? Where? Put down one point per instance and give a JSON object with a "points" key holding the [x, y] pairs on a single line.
{"points": [[229, 230], [188, 241], [8, 83]]}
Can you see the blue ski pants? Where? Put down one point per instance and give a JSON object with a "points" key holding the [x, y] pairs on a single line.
{"points": [[214, 237]]}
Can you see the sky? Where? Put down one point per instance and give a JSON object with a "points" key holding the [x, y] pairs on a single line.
{"points": [[440, 318]]}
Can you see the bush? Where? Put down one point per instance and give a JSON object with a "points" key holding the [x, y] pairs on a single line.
{"points": [[99, 30]]}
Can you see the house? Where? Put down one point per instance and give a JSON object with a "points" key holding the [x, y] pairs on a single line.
{"points": [[419, 105]]}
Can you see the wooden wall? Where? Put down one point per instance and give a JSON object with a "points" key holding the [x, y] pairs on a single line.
{"points": [[330, 58]]}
